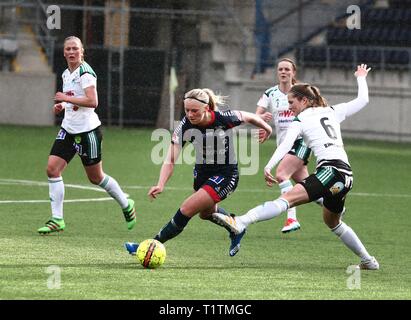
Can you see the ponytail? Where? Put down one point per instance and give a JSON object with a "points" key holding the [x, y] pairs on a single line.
{"points": [[206, 96], [319, 99], [310, 92]]}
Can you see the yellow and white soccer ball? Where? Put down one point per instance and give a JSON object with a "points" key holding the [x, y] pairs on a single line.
{"points": [[151, 253]]}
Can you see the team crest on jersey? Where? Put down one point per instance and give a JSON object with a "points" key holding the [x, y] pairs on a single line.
{"points": [[337, 188]]}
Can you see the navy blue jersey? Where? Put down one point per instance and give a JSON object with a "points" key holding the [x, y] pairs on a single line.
{"points": [[214, 143]]}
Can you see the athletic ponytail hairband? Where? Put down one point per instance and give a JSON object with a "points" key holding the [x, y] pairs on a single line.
{"points": [[202, 101]]}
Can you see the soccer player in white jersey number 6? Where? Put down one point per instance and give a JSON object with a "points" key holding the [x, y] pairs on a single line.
{"points": [[319, 125], [80, 133], [273, 107]]}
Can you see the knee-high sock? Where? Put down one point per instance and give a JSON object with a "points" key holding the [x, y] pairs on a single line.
{"points": [[266, 211], [173, 228], [56, 193], [286, 186], [113, 189], [351, 240]]}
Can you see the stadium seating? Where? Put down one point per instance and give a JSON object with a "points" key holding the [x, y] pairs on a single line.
{"points": [[382, 40], [400, 4], [8, 52]]}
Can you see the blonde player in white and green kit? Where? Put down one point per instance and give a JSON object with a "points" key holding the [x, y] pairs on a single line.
{"points": [[79, 134], [319, 125], [273, 108]]}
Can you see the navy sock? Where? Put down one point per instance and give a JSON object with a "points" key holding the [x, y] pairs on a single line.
{"points": [[224, 212], [173, 227]]}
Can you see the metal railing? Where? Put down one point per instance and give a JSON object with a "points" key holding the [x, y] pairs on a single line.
{"points": [[42, 33], [32, 13]]}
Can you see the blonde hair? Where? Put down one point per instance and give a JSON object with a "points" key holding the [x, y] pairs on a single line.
{"points": [[206, 96], [310, 92], [81, 44]]}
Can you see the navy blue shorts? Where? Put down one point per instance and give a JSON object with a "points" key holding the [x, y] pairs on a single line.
{"points": [[217, 186]]}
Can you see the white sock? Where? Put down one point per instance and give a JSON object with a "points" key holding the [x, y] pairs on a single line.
{"points": [[286, 186], [56, 194], [351, 240], [113, 189], [266, 211]]}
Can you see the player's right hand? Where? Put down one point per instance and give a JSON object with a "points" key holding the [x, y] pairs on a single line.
{"points": [[269, 179], [57, 108], [154, 191]]}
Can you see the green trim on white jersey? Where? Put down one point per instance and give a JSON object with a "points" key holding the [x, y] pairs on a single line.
{"points": [[85, 68]]}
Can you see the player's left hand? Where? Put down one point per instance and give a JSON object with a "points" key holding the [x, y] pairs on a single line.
{"points": [[267, 117], [362, 70]]}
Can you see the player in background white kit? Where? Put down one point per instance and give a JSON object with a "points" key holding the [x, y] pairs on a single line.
{"points": [[273, 107], [319, 125], [79, 133]]}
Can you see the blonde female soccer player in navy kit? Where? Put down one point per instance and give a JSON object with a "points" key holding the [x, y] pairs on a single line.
{"points": [[80, 133], [216, 170], [319, 125], [273, 107]]}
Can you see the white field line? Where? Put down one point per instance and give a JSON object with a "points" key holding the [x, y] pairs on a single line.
{"points": [[45, 184], [273, 190], [75, 186], [48, 201]]}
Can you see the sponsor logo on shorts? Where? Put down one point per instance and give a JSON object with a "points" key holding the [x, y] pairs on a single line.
{"points": [[217, 179], [61, 135], [78, 148], [337, 188]]}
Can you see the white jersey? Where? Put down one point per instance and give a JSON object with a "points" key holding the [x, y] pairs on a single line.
{"points": [[276, 102], [320, 129], [79, 119]]}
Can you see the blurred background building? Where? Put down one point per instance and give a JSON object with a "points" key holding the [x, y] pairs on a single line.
{"points": [[230, 46]]}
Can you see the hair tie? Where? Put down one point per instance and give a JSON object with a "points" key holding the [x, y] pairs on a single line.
{"points": [[202, 101]]}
